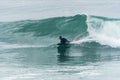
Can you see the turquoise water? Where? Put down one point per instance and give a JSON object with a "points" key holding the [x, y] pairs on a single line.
{"points": [[28, 49]]}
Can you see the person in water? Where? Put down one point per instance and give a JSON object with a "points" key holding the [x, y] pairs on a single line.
{"points": [[63, 40]]}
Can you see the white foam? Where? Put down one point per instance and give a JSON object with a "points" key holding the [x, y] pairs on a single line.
{"points": [[11, 46], [105, 32]]}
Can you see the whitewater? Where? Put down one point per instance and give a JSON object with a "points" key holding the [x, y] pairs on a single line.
{"points": [[29, 33]]}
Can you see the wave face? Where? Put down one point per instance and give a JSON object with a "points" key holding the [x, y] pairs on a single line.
{"points": [[79, 29]]}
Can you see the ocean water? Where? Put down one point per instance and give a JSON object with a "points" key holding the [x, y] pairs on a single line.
{"points": [[29, 33]]}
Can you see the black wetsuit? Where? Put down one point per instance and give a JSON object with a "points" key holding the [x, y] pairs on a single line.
{"points": [[64, 41]]}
